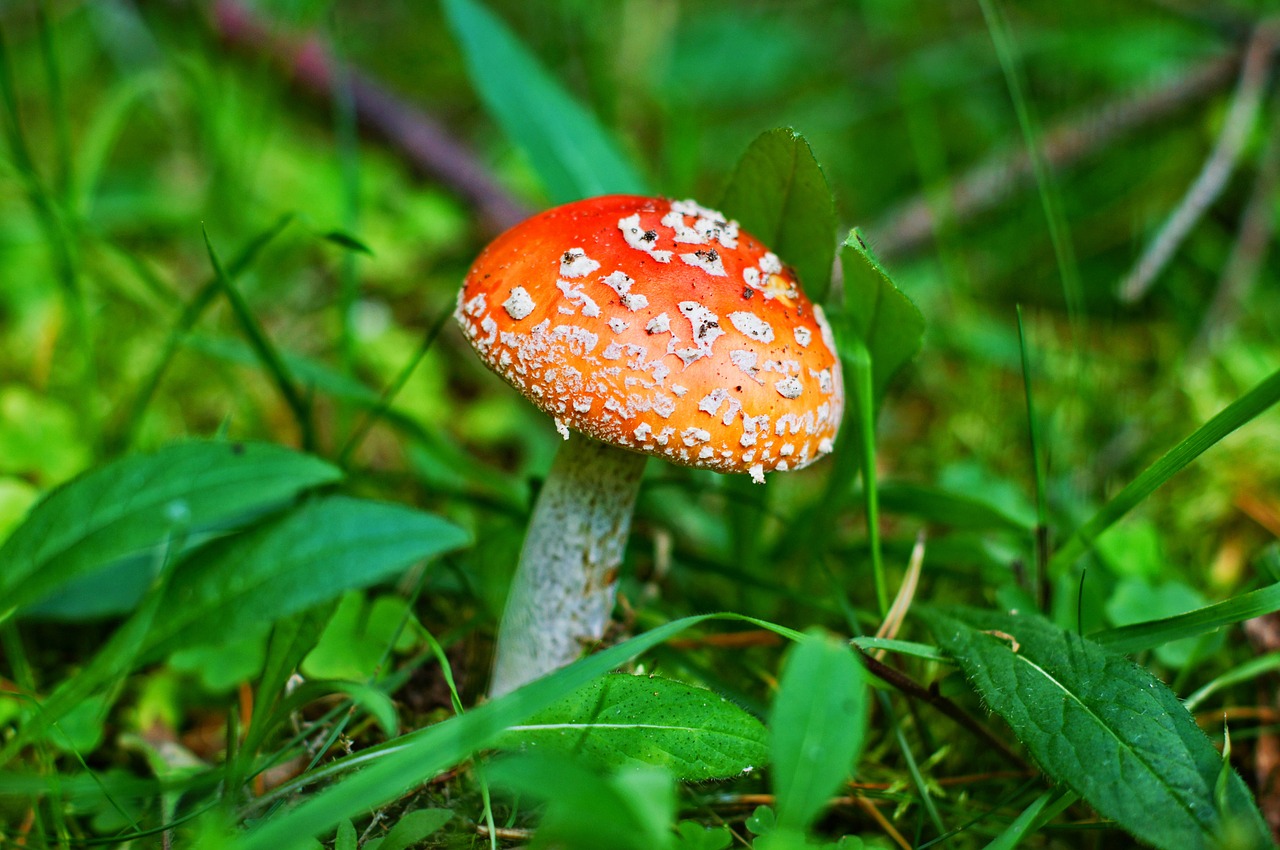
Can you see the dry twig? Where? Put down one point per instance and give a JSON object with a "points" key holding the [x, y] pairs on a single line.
{"points": [[911, 225], [1255, 73], [423, 141]]}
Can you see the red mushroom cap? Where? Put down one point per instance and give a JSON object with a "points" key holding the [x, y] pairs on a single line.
{"points": [[658, 326]]}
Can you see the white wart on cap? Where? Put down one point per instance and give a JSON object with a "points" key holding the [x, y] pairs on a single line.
{"points": [[660, 327]]}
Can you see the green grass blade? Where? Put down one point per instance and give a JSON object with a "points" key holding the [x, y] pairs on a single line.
{"points": [[1148, 635], [384, 403], [1247, 671], [864, 406], [1022, 826], [191, 314], [63, 177], [1234, 415], [1050, 200], [267, 354], [902, 647], [567, 147], [1038, 470]]}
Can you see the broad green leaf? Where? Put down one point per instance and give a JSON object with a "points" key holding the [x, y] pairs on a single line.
{"points": [[571, 152], [1242, 410], [627, 721], [131, 509], [1104, 727], [358, 635], [412, 828], [778, 194], [876, 313], [240, 585], [817, 726], [223, 666], [632, 809]]}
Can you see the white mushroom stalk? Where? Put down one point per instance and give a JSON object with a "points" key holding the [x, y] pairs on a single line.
{"points": [[653, 327], [563, 592]]}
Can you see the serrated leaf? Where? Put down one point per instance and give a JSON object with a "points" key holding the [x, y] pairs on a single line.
{"points": [[241, 585], [119, 516], [571, 152], [626, 721], [817, 724], [779, 195], [876, 313], [1104, 727]]}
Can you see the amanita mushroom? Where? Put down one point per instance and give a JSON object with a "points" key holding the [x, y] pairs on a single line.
{"points": [[642, 326]]}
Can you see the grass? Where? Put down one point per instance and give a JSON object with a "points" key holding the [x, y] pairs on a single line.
{"points": [[1056, 448]]}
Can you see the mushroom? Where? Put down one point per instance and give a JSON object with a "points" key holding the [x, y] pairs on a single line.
{"points": [[643, 326]]}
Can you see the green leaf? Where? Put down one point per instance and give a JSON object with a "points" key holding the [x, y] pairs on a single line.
{"points": [[691, 835], [414, 827], [345, 839], [627, 721], [762, 821], [358, 635], [1025, 823], [1231, 417], [347, 242], [1102, 726], [241, 585], [222, 667], [629, 810], [818, 722], [876, 313], [571, 152], [131, 508], [778, 194]]}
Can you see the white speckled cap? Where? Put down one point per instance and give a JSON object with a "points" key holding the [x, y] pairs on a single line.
{"points": [[660, 327]]}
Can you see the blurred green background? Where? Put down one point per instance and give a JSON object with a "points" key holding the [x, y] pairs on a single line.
{"points": [[996, 155]]}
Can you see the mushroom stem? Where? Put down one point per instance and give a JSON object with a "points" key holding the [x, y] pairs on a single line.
{"points": [[563, 591]]}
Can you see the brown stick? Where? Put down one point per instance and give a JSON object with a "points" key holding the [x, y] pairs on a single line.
{"points": [[423, 141], [912, 688], [1255, 74], [911, 225]]}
